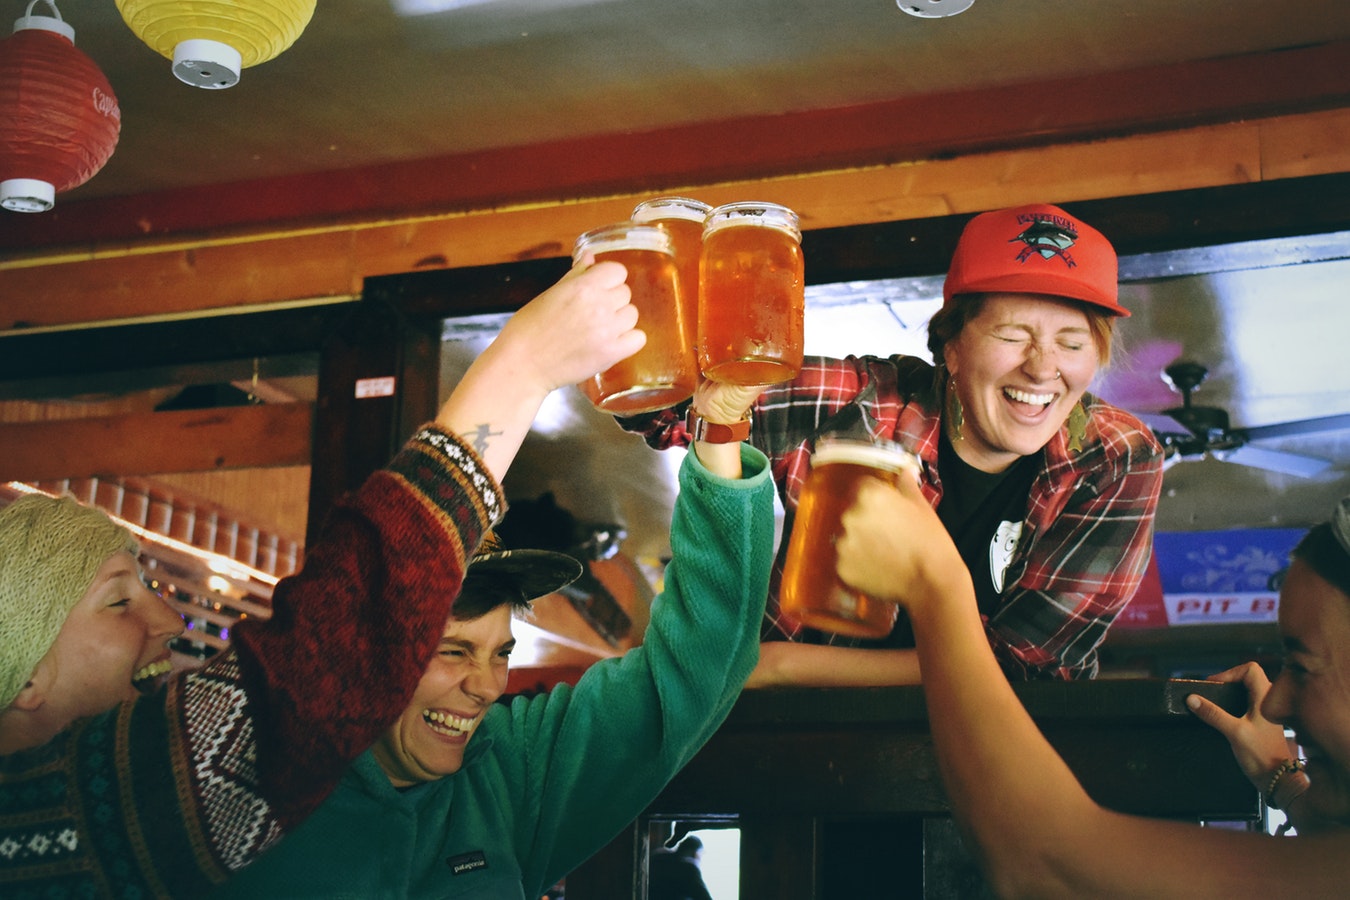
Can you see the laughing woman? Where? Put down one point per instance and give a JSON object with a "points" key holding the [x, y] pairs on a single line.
{"points": [[1048, 491]]}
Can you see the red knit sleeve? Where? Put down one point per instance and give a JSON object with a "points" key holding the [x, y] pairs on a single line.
{"points": [[352, 632]]}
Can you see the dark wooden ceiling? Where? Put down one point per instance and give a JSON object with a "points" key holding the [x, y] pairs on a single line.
{"points": [[374, 110]]}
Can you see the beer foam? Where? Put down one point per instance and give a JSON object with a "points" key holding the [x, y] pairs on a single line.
{"points": [[889, 456], [625, 236], [765, 215], [671, 208]]}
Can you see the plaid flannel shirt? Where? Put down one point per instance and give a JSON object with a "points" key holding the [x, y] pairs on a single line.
{"points": [[1088, 531]]}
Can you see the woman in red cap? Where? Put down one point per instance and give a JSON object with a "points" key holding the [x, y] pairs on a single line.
{"points": [[1048, 491]]}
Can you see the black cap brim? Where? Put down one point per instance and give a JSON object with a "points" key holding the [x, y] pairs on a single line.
{"points": [[532, 573]]}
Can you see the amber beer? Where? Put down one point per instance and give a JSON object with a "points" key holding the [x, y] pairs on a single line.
{"points": [[683, 218], [665, 371], [752, 294], [811, 592]]}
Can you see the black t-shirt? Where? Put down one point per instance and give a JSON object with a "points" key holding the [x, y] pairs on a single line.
{"points": [[983, 513]]}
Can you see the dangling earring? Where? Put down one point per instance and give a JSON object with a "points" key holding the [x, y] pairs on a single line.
{"points": [[1078, 419], [955, 414]]}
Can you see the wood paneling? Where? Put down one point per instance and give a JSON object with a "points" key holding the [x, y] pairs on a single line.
{"points": [[150, 443], [275, 498]]}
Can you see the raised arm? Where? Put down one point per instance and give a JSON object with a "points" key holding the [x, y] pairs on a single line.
{"points": [[784, 663], [579, 326], [646, 713], [389, 562], [1035, 830]]}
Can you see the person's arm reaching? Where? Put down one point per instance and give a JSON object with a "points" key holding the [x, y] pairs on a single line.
{"points": [[723, 404], [579, 326], [1034, 829], [646, 713]]}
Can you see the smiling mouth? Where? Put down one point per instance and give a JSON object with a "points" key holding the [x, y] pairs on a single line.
{"points": [[145, 678], [1028, 397], [448, 724]]}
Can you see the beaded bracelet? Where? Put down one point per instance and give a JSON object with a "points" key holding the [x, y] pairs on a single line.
{"points": [[1288, 767]]}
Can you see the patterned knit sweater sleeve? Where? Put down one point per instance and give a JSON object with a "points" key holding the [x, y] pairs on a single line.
{"points": [[168, 794]]}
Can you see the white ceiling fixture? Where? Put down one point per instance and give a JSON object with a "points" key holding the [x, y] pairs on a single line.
{"points": [[934, 9]]}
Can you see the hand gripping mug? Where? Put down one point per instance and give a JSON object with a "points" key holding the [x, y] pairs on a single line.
{"points": [[811, 592], [751, 295], [665, 371]]}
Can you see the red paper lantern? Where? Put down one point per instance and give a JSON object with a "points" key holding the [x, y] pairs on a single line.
{"points": [[59, 120]]}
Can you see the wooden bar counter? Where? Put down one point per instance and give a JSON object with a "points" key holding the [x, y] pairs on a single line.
{"points": [[837, 793]]}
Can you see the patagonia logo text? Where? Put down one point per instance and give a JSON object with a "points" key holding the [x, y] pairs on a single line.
{"points": [[466, 862]]}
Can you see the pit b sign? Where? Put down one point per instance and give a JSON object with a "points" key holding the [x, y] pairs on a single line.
{"points": [[1217, 609], [1223, 577]]}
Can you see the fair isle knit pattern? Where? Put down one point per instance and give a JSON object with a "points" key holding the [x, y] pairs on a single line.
{"points": [[43, 844], [165, 796], [466, 463], [222, 756], [32, 839]]}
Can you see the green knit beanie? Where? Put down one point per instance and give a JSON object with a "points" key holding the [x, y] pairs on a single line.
{"points": [[50, 550]]}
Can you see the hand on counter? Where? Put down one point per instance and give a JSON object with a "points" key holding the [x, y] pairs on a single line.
{"points": [[1259, 745]]}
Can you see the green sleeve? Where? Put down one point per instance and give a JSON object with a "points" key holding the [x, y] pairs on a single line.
{"points": [[595, 755]]}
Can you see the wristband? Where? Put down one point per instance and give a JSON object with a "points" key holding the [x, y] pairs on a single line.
{"points": [[716, 432], [1288, 774]]}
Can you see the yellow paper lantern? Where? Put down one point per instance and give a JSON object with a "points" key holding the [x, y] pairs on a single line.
{"points": [[210, 41]]}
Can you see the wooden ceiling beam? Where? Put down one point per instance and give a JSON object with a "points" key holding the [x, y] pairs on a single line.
{"points": [[209, 273], [155, 443]]}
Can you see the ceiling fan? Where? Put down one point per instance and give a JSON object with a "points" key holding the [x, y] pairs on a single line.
{"points": [[1190, 431]]}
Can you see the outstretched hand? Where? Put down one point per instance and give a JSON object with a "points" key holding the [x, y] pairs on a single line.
{"points": [[1259, 745], [581, 325], [894, 547]]}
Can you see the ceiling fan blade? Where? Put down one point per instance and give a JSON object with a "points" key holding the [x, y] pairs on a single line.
{"points": [[1302, 426], [1274, 460], [1161, 423]]}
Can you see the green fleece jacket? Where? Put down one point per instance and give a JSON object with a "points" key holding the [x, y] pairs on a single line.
{"points": [[549, 780]]}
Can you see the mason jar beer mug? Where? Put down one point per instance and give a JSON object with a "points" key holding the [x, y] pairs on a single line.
{"points": [[683, 218], [811, 592], [752, 294], [665, 371]]}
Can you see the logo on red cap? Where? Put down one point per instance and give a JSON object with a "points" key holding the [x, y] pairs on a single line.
{"points": [[1048, 236]]}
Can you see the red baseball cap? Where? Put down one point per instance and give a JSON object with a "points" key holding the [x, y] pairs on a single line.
{"points": [[1035, 249]]}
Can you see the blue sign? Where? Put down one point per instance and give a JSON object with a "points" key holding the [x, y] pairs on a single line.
{"points": [[1212, 577]]}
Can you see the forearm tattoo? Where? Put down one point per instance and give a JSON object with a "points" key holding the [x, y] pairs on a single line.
{"points": [[479, 439]]}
